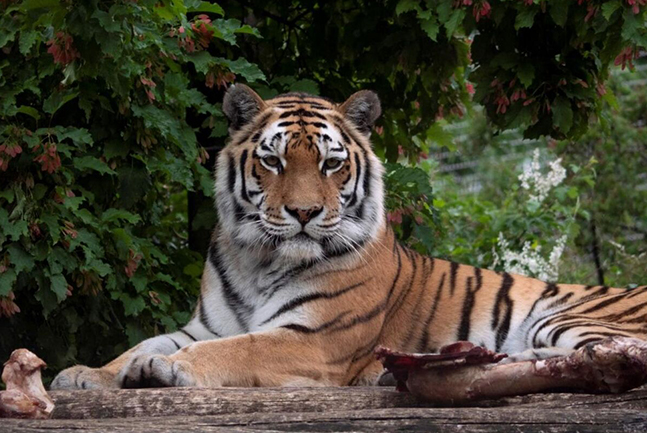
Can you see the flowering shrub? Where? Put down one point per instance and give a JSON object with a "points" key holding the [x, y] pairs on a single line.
{"points": [[101, 108], [539, 184], [529, 261], [553, 87]]}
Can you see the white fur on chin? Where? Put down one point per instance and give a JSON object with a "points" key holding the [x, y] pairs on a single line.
{"points": [[300, 249]]}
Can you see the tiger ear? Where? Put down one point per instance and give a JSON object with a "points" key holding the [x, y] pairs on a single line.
{"points": [[362, 109], [241, 104]]}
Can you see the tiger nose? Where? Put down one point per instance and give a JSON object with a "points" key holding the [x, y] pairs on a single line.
{"points": [[303, 215]]}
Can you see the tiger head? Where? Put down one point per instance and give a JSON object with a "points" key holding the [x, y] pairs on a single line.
{"points": [[298, 177]]}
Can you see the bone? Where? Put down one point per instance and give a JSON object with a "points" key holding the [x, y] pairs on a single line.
{"points": [[25, 396], [613, 365]]}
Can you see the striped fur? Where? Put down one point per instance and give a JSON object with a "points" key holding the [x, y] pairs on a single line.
{"points": [[304, 278]]}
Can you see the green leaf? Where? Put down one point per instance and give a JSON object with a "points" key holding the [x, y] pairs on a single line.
{"points": [[133, 305], [7, 278], [431, 27], [206, 7], [112, 215], [306, 86], [26, 41], [559, 11], [242, 67], [77, 135], [526, 74], [562, 114], [30, 111], [91, 163], [58, 285], [455, 19], [47, 299], [57, 99], [20, 260], [406, 6], [225, 29], [37, 4], [525, 17], [248, 30], [609, 7], [11, 229]]}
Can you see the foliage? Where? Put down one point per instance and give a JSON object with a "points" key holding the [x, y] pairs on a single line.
{"points": [[103, 104], [540, 65], [600, 205], [536, 65], [474, 224], [101, 107]]}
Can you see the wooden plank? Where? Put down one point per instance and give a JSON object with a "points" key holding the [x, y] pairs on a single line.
{"points": [[129, 403], [465, 420]]}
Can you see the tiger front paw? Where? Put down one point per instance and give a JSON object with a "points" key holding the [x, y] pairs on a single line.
{"points": [[82, 377], [156, 371]]}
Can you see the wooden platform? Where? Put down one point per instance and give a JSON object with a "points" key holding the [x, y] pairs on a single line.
{"points": [[328, 410]]}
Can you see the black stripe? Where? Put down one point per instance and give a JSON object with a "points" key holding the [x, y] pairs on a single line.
{"points": [[357, 320], [587, 341], [357, 353], [231, 174], [396, 250], [235, 302], [602, 304], [560, 301], [367, 178], [468, 305], [279, 282], [452, 277], [432, 314], [343, 134], [253, 193], [204, 319], [427, 268], [257, 136], [302, 113], [358, 172], [503, 302], [177, 345], [405, 292], [188, 335], [294, 303], [550, 291], [306, 330], [255, 174], [243, 187]]}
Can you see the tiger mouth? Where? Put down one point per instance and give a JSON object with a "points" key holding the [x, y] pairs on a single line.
{"points": [[302, 236]]}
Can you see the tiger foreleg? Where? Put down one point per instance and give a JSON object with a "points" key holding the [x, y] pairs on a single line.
{"points": [[83, 377], [275, 358]]}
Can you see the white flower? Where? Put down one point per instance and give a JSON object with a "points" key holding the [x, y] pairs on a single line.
{"points": [[529, 260], [539, 184]]}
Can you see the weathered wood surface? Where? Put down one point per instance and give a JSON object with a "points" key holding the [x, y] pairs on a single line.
{"points": [[330, 409]]}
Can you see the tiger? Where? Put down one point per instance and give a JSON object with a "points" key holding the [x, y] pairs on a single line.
{"points": [[304, 277]]}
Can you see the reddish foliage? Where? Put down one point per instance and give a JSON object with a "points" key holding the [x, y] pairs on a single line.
{"points": [[50, 160], [62, 49], [7, 306], [133, 263]]}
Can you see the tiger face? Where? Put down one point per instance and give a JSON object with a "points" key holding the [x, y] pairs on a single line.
{"points": [[298, 178]]}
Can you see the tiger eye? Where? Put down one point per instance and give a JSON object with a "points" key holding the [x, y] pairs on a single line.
{"points": [[272, 160], [332, 163]]}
